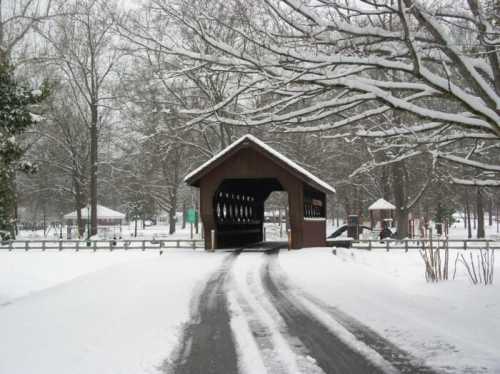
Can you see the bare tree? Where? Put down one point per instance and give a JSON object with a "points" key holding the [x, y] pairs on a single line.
{"points": [[83, 48], [17, 20], [335, 66]]}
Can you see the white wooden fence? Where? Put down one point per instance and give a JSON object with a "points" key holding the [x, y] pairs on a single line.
{"points": [[412, 244], [94, 245]]}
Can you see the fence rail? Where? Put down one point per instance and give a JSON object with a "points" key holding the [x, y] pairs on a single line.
{"points": [[410, 244], [118, 244]]}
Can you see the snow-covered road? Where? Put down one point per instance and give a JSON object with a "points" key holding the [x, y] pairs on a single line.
{"points": [[252, 312], [276, 329]]}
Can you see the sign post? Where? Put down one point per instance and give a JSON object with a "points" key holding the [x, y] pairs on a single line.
{"points": [[192, 216]]}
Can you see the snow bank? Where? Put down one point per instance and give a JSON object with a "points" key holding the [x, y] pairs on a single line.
{"points": [[450, 325], [23, 272], [121, 314]]}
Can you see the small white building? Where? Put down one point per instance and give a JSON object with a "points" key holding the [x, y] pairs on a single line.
{"points": [[105, 216]]}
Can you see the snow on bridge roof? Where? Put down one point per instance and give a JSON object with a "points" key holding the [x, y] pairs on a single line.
{"points": [[198, 172], [102, 213], [382, 204]]}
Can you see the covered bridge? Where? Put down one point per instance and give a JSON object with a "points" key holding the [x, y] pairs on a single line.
{"points": [[235, 183]]}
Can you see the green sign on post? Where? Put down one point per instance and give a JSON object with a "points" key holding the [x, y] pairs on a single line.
{"points": [[191, 215]]}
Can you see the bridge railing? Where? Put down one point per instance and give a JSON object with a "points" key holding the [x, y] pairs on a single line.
{"points": [[94, 245]]}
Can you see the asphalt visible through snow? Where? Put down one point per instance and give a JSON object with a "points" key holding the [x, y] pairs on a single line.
{"points": [[208, 345]]}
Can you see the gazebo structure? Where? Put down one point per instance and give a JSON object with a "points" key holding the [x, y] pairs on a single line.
{"points": [[105, 216], [380, 211], [234, 185]]}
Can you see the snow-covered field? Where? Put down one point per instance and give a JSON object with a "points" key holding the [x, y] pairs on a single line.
{"points": [[103, 312], [122, 312], [450, 324]]}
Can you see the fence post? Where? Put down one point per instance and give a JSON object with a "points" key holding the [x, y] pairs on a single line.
{"points": [[10, 245], [194, 244], [77, 245], [465, 245], [26, 245], [263, 234], [60, 245], [212, 240], [289, 232], [178, 244], [143, 245], [95, 246], [387, 245], [369, 244], [406, 245], [43, 245], [110, 245]]}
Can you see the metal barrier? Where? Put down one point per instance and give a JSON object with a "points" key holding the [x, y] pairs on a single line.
{"points": [[94, 245]]}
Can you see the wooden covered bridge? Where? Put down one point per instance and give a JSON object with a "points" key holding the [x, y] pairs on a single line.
{"points": [[235, 184]]}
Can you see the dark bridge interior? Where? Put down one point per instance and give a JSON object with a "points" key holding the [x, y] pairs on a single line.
{"points": [[239, 210]]}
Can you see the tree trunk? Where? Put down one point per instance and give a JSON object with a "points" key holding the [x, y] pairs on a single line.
{"points": [[399, 193], [184, 214], [480, 214], [490, 212], [386, 186], [93, 168], [79, 220], [172, 219], [79, 205], [467, 215]]}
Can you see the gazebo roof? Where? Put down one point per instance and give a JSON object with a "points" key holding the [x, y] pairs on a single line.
{"points": [[381, 204], [102, 213], [250, 140]]}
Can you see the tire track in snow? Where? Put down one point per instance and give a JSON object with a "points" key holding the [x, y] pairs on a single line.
{"points": [[279, 352], [330, 316], [207, 346]]}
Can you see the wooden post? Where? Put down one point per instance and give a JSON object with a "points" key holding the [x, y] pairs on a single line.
{"points": [[465, 245], [406, 245], [281, 222], [289, 239], [264, 234], [387, 245], [178, 243], [212, 240], [60, 245], [43, 245], [26, 245], [369, 244], [95, 246], [110, 245], [77, 245], [10, 245], [143, 245]]}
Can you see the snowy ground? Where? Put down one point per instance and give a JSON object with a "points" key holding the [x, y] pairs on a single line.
{"points": [[451, 324], [126, 232], [123, 312], [104, 312]]}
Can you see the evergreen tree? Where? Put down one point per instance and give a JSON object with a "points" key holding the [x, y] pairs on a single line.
{"points": [[16, 101]]}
